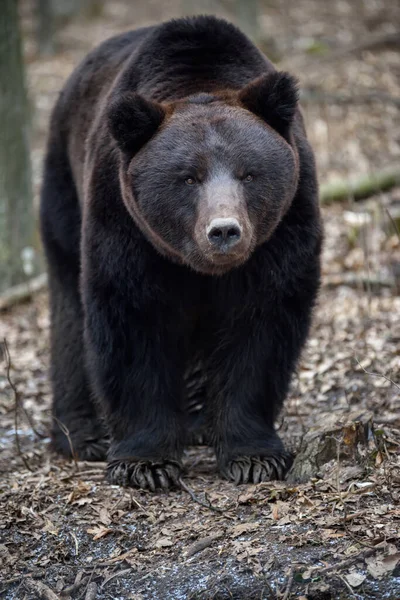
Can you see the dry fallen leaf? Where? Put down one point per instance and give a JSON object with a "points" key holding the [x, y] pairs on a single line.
{"points": [[355, 578], [378, 566], [243, 528], [163, 542], [99, 531], [50, 527]]}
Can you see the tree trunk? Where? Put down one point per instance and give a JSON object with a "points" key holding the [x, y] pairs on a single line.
{"points": [[45, 27], [17, 256]]}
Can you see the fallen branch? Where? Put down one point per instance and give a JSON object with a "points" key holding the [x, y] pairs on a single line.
{"points": [[206, 503], [360, 187], [23, 291], [356, 281], [378, 375], [343, 564]]}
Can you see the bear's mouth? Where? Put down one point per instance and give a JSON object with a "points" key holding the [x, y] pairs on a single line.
{"points": [[218, 264]]}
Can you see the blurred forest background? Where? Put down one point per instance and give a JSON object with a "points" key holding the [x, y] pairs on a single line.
{"points": [[65, 532], [345, 53]]}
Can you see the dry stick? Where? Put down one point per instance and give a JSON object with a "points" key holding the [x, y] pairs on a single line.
{"points": [[16, 405], [118, 573], [346, 563], [65, 431], [346, 583], [377, 375], [195, 498], [41, 436]]}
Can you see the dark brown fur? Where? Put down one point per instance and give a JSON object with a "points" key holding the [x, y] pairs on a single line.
{"points": [[158, 135]]}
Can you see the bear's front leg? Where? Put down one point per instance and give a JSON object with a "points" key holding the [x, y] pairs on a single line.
{"points": [[249, 374], [134, 359]]}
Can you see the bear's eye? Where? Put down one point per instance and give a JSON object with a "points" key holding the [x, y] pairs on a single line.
{"points": [[190, 180], [248, 177]]}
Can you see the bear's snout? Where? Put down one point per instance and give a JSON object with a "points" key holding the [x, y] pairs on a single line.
{"points": [[224, 234]]}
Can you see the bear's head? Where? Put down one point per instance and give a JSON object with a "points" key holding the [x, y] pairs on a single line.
{"points": [[209, 177]]}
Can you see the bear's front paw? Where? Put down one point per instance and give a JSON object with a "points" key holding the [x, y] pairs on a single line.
{"points": [[256, 469], [145, 474]]}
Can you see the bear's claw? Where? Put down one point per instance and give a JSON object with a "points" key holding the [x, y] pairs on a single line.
{"points": [[145, 474], [256, 469]]}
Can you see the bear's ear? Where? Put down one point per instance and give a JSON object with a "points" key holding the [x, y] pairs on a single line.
{"points": [[133, 120], [274, 98]]}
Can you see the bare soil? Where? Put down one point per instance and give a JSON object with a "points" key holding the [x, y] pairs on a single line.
{"points": [[66, 533]]}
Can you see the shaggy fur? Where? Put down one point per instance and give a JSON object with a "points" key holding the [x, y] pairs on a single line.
{"points": [[155, 134]]}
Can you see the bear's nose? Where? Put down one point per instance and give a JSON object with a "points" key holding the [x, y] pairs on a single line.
{"points": [[224, 234]]}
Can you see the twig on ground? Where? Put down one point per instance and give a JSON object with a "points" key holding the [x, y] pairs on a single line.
{"points": [[17, 405], [117, 574], [378, 375], [206, 503], [347, 562], [41, 436], [65, 431], [342, 579]]}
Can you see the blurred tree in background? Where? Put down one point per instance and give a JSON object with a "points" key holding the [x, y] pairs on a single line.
{"points": [[52, 15], [45, 27], [18, 259]]}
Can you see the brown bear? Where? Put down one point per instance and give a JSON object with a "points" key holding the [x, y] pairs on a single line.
{"points": [[182, 231]]}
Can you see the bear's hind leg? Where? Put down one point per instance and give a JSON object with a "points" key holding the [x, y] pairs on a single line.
{"points": [[76, 428]]}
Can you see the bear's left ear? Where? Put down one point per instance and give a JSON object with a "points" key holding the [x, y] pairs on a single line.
{"points": [[274, 98], [133, 120]]}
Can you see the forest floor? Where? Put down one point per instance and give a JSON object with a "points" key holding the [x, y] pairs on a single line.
{"points": [[67, 534]]}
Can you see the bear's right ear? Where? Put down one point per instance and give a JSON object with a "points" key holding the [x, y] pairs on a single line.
{"points": [[133, 120]]}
